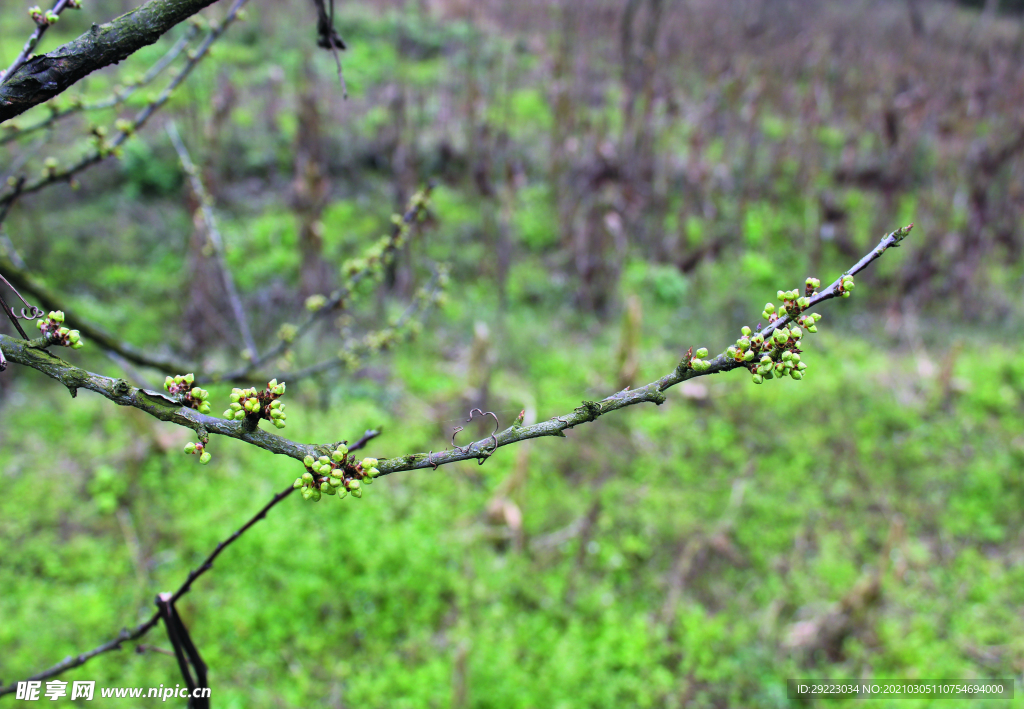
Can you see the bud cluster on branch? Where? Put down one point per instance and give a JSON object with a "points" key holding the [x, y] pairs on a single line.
{"points": [[255, 405], [336, 474], [55, 333]]}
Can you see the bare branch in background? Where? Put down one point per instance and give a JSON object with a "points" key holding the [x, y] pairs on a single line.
{"points": [[127, 129], [213, 235]]}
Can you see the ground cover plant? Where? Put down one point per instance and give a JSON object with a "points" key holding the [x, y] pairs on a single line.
{"points": [[515, 219]]}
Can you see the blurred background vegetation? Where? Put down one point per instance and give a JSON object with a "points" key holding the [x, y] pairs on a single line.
{"points": [[618, 181]]}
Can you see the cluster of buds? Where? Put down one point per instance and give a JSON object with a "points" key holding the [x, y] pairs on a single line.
{"points": [[792, 302], [180, 386], [54, 331], [43, 19], [336, 474], [698, 363], [200, 450], [264, 404], [780, 356]]}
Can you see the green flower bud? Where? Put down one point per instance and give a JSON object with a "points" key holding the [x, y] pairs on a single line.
{"points": [[229, 414], [801, 366], [308, 460], [795, 357], [272, 384], [78, 345], [40, 323], [848, 285], [275, 404], [770, 374], [205, 457], [279, 424], [769, 308], [57, 315], [196, 393], [315, 494], [370, 475], [812, 329], [63, 331], [307, 477], [745, 330], [748, 356], [352, 484], [846, 294], [275, 414], [338, 455], [239, 415], [816, 316], [743, 343], [765, 315], [787, 355], [235, 395], [731, 352], [757, 340], [797, 374], [336, 481], [342, 493], [298, 483], [758, 379], [702, 352], [324, 459], [190, 447], [204, 408], [189, 378], [357, 492], [783, 312], [279, 389], [696, 364], [307, 493], [796, 333], [325, 486], [780, 335], [330, 490], [74, 336], [368, 463], [781, 296]]}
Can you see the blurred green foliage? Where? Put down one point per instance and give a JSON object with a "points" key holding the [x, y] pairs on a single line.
{"points": [[721, 525]]}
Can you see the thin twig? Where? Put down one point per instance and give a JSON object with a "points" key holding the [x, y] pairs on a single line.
{"points": [[213, 234], [138, 631]]}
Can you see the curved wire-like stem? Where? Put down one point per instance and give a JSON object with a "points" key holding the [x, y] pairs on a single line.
{"points": [[127, 635]]}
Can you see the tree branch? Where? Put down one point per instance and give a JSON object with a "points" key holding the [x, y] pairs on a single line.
{"points": [[30, 353], [41, 78]]}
